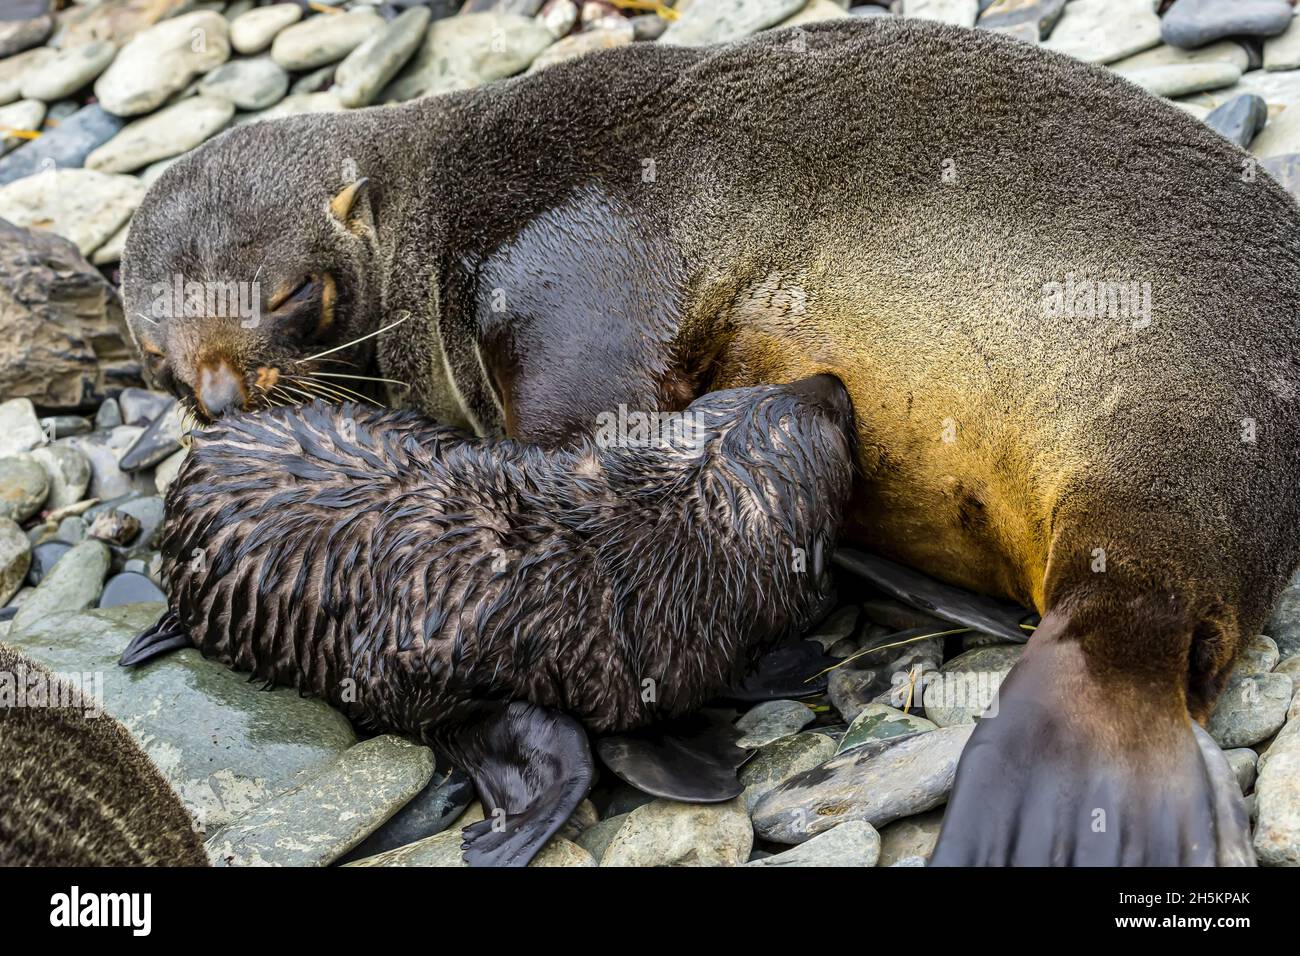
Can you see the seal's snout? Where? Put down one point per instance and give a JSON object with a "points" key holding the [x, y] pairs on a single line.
{"points": [[219, 389]]}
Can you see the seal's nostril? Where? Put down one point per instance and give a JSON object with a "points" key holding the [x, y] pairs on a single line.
{"points": [[219, 389]]}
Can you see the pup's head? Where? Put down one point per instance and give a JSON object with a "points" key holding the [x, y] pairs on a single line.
{"points": [[247, 260]]}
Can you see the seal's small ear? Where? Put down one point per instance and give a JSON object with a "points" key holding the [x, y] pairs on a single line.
{"points": [[345, 208]]}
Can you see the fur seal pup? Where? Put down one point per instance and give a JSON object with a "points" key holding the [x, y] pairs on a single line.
{"points": [[78, 790], [1064, 310], [493, 598]]}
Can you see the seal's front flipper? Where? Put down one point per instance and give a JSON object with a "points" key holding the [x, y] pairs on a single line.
{"points": [[1077, 766], [942, 600], [165, 636], [793, 670], [531, 767], [691, 759]]}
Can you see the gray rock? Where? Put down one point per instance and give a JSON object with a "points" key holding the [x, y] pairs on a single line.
{"points": [[325, 38], [315, 81], [1250, 710], [14, 68], [879, 722], [468, 50], [15, 559], [20, 429], [73, 584], [130, 587], [850, 690], [160, 439], [68, 72], [26, 23], [1277, 801], [968, 683], [596, 839], [647, 26], [149, 511], [1259, 656], [961, 13], [721, 21], [64, 426], [1242, 760], [772, 720], [236, 745], [167, 470], [1290, 667], [1164, 55], [23, 488], [1286, 170], [912, 838], [369, 68], [108, 415], [1103, 31], [443, 849], [879, 782], [840, 625], [24, 115], [107, 480], [162, 60], [1193, 23], [72, 530], [68, 473], [620, 33], [168, 132], [1282, 52], [252, 32], [65, 146], [1181, 80], [252, 84], [781, 760], [317, 821], [1240, 119], [140, 406], [44, 557], [1040, 14], [432, 810], [294, 106], [850, 844], [816, 11], [667, 833], [83, 205]]}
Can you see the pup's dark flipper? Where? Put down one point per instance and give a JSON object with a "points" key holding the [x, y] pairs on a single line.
{"points": [[1071, 771], [692, 759], [165, 636], [531, 767], [942, 600], [793, 670]]}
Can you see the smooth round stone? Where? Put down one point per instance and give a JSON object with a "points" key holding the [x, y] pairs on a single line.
{"points": [[1008, 15], [167, 470], [968, 684], [1259, 656], [1240, 119], [325, 38], [108, 415], [68, 472], [69, 71], [140, 406], [840, 625], [879, 782], [23, 115], [73, 584], [15, 559], [295, 106], [1103, 31], [467, 50], [23, 488], [162, 60], [14, 69], [72, 530], [1283, 626], [169, 132], [559, 17], [130, 588], [666, 833], [250, 84], [721, 21], [1277, 802], [580, 44], [159, 440], [781, 760], [852, 690], [83, 205], [1250, 710], [64, 146], [114, 527], [45, 556], [65, 426], [430, 811], [1242, 760], [1193, 23], [850, 844], [316, 81], [1291, 668], [20, 429], [149, 511], [1282, 52], [879, 722], [1175, 80], [26, 23], [252, 32], [370, 67], [961, 13], [1225, 51], [772, 720], [912, 838]]}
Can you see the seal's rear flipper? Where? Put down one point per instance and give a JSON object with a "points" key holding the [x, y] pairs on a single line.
{"points": [[794, 670], [165, 636], [531, 767], [1077, 766], [942, 600], [691, 759]]}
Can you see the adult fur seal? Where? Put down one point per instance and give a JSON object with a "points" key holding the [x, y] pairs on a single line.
{"points": [[482, 594], [78, 790], [901, 204]]}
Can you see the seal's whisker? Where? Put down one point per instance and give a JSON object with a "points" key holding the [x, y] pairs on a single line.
{"points": [[328, 388], [368, 335], [361, 378]]}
